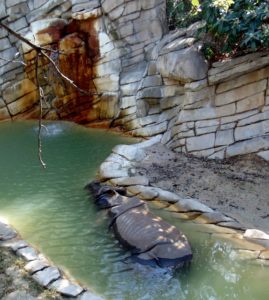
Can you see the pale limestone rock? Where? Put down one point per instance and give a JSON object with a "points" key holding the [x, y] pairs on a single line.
{"points": [[264, 155], [177, 44], [127, 102], [16, 245], [238, 117], [206, 113], [36, 265], [167, 196], [6, 232], [46, 276], [184, 65], [144, 192], [224, 137], [129, 152], [205, 130], [255, 234], [248, 146], [19, 24], [108, 83], [112, 170], [128, 181], [233, 68], [232, 224], [254, 118], [48, 6], [200, 142], [28, 253], [213, 218], [151, 92], [151, 81], [90, 296], [149, 120], [252, 130], [196, 85], [109, 5], [151, 130], [171, 102], [250, 103], [207, 93], [240, 93], [185, 205], [243, 80], [66, 288]]}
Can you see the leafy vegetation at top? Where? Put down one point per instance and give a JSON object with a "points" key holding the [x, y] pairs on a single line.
{"points": [[232, 27]]}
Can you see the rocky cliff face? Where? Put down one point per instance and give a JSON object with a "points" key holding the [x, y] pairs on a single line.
{"points": [[136, 75]]}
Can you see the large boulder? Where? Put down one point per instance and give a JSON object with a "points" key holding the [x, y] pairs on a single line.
{"points": [[185, 65]]}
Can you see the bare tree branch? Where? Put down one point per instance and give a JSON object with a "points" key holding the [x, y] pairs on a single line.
{"points": [[41, 99]]}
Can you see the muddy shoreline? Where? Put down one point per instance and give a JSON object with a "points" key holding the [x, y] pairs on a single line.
{"points": [[238, 187]]}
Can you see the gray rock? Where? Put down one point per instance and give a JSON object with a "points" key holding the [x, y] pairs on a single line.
{"points": [[264, 155], [256, 234], [112, 170], [6, 232], [65, 287], [130, 152], [186, 205], [127, 181], [28, 253], [184, 65], [90, 296], [232, 224], [36, 265], [144, 192], [17, 245], [248, 146], [46, 276]]}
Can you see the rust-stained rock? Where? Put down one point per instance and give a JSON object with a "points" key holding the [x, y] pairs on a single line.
{"points": [[48, 31], [18, 90]]}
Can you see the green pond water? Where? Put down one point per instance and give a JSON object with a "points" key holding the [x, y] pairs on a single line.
{"points": [[52, 211]]}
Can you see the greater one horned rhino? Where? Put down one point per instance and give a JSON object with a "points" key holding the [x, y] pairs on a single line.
{"points": [[150, 239]]}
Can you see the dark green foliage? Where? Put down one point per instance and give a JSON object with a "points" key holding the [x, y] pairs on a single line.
{"points": [[231, 27], [241, 27], [181, 13]]}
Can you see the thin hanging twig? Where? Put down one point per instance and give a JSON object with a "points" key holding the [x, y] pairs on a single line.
{"points": [[41, 99]]}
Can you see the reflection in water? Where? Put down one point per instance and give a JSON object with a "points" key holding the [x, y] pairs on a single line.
{"points": [[52, 211]]}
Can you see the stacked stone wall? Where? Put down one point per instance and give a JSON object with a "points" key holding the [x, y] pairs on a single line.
{"points": [[137, 76]]}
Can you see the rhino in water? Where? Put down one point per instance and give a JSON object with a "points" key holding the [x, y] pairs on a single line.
{"points": [[150, 239]]}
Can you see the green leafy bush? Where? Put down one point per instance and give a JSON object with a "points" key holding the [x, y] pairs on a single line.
{"points": [[232, 27], [237, 26]]}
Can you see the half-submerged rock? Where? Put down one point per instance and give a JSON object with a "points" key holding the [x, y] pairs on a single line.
{"points": [[151, 240]]}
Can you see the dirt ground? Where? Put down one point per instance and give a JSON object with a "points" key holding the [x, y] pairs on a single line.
{"points": [[238, 187]]}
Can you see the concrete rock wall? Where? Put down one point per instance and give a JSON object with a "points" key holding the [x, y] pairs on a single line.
{"points": [[137, 75]]}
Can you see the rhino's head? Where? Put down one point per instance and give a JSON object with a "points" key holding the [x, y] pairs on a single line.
{"points": [[106, 196]]}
